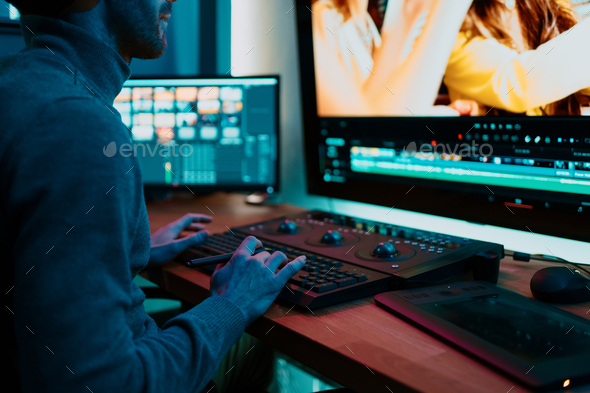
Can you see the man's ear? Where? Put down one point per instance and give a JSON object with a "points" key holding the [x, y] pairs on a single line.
{"points": [[81, 6]]}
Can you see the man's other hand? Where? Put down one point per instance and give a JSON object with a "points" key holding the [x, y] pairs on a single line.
{"points": [[164, 242], [251, 282]]}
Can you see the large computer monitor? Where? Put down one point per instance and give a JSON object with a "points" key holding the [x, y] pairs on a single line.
{"points": [[204, 134], [434, 108]]}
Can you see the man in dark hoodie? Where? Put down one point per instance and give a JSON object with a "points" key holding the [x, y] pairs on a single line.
{"points": [[73, 224]]}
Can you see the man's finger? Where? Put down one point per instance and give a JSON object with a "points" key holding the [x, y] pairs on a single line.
{"points": [[275, 260], [249, 245], [199, 217], [219, 266], [188, 219], [194, 240], [262, 257], [196, 227], [290, 269]]}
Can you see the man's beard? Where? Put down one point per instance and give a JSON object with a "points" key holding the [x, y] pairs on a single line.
{"points": [[138, 27]]}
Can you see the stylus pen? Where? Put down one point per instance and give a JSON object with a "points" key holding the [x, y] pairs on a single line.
{"points": [[223, 258]]}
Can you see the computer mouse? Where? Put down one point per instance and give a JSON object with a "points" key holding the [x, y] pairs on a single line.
{"points": [[560, 284]]}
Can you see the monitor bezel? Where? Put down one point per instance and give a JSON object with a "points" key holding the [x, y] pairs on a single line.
{"points": [[204, 188], [546, 212]]}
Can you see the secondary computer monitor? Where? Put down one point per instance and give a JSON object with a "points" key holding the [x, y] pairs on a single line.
{"points": [[204, 134], [9, 16], [475, 110]]}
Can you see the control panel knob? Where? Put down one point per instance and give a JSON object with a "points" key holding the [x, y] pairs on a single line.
{"points": [[332, 238], [384, 250], [288, 227]]}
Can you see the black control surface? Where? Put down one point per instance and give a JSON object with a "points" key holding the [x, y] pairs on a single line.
{"points": [[349, 258]]}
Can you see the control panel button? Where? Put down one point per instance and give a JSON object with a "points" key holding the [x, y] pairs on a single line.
{"points": [[329, 286], [332, 238], [361, 277], [384, 250], [344, 282]]}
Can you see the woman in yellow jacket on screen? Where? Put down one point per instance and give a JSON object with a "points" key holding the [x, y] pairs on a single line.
{"points": [[398, 71], [522, 56]]}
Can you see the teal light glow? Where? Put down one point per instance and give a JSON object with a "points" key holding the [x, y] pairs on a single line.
{"points": [[201, 82]]}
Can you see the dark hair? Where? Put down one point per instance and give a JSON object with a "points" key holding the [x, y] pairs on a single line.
{"points": [[41, 7], [540, 20]]}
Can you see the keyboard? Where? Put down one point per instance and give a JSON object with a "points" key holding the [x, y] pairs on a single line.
{"points": [[322, 281]]}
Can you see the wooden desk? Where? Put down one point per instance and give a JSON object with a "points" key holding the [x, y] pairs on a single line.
{"points": [[357, 344]]}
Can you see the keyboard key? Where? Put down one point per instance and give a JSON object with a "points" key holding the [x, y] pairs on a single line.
{"points": [[297, 281], [308, 284], [339, 276], [335, 264], [318, 282], [324, 287], [361, 277], [344, 282], [321, 276]]}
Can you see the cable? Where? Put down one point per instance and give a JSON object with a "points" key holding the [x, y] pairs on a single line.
{"points": [[521, 256]]}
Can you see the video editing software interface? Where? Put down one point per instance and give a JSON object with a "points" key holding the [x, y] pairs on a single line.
{"points": [[462, 106], [219, 132]]}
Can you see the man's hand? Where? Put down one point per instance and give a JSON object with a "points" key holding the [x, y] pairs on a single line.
{"points": [[249, 281], [465, 107], [165, 245]]}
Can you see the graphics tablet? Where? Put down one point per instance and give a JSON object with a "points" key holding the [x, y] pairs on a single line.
{"points": [[541, 346]]}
